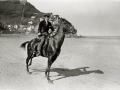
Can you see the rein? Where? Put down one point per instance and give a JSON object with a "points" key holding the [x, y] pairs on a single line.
{"points": [[52, 34]]}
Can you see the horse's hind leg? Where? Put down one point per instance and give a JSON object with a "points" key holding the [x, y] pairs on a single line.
{"points": [[27, 65], [30, 63], [29, 58]]}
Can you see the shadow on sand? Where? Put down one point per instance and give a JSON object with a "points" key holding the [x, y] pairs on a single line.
{"points": [[64, 73]]}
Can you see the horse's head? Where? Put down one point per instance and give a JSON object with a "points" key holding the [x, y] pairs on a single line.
{"points": [[68, 27]]}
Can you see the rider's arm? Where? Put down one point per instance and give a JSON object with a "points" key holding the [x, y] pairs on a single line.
{"points": [[51, 27]]}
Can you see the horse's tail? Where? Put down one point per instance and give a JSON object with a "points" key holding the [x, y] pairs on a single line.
{"points": [[24, 44]]}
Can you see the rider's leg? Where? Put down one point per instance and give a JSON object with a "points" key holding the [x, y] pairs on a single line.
{"points": [[39, 47], [34, 46]]}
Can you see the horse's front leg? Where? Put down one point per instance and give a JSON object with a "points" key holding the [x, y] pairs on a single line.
{"points": [[51, 59], [48, 77], [47, 72]]}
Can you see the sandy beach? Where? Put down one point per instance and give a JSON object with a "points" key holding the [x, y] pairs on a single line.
{"points": [[84, 64]]}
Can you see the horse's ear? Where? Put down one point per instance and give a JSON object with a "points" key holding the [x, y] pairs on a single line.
{"points": [[61, 21]]}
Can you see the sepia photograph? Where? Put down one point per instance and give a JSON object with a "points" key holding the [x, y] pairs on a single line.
{"points": [[59, 44]]}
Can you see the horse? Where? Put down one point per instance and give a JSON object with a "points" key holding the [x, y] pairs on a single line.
{"points": [[51, 51]]}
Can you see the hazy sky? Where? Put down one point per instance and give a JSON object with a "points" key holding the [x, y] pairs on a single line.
{"points": [[89, 17]]}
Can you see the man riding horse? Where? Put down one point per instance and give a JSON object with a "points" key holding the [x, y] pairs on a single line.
{"points": [[53, 48], [43, 32]]}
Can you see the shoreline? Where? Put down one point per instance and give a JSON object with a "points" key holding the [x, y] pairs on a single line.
{"points": [[93, 37]]}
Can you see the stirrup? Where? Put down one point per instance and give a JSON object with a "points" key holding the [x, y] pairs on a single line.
{"points": [[38, 53]]}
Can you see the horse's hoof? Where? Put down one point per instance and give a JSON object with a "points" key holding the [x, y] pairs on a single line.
{"points": [[29, 64], [29, 72], [50, 81], [45, 74]]}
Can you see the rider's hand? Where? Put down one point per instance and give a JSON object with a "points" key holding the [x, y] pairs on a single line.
{"points": [[39, 34], [51, 35]]}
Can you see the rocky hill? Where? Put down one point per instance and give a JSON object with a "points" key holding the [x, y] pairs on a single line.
{"points": [[11, 12]]}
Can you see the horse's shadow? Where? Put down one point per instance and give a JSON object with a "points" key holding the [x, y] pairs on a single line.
{"points": [[64, 73]]}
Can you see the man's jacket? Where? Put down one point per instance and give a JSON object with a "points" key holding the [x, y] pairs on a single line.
{"points": [[43, 27]]}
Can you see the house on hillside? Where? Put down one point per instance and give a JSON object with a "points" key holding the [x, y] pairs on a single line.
{"points": [[28, 25], [33, 17], [22, 28], [9, 27]]}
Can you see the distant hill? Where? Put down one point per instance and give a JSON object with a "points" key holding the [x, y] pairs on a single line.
{"points": [[11, 12]]}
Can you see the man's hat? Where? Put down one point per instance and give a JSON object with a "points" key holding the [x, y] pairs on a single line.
{"points": [[46, 15]]}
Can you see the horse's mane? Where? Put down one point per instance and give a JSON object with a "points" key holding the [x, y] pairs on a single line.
{"points": [[65, 21], [58, 30]]}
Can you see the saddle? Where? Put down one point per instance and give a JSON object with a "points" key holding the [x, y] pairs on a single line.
{"points": [[48, 47], [46, 42]]}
